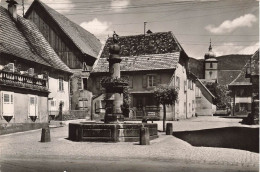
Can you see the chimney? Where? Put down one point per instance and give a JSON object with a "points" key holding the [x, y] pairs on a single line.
{"points": [[12, 8]]}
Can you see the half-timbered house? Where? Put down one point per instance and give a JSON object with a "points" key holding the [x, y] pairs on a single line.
{"points": [[75, 46]]}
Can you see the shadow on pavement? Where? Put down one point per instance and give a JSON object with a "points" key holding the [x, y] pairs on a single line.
{"points": [[229, 137]]}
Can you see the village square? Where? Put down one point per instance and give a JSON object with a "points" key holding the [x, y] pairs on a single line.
{"points": [[129, 96]]}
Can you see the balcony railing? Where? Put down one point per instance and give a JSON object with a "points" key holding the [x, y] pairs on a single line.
{"points": [[22, 81]]}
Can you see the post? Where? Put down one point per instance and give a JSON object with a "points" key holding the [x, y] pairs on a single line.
{"points": [[164, 116], [144, 27], [144, 136], [169, 129], [46, 137]]}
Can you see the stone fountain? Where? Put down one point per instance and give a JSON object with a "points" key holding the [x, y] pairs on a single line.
{"points": [[114, 128]]}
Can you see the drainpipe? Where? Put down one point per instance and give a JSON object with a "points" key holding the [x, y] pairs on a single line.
{"points": [[91, 109], [174, 115]]}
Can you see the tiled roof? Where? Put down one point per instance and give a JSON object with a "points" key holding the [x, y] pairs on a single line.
{"points": [[23, 39], [137, 45], [41, 45], [255, 63], [13, 42], [225, 77], [84, 40], [241, 78], [142, 62]]}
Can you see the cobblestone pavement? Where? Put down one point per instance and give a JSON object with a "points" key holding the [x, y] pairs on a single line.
{"points": [[26, 145]]}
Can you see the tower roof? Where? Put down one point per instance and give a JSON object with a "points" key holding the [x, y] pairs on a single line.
{"points": [[210, 54]]}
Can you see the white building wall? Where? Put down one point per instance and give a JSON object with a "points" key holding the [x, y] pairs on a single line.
{"points": [[191, 100], [180, 108], [57, 96]]}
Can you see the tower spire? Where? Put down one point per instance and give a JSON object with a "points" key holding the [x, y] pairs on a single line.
{"points": [[210, 48]]}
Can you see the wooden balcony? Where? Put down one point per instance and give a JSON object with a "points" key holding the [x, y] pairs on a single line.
{"points": [[17, 80]]}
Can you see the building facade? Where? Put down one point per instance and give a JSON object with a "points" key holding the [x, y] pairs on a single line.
{"points": [[27, 67], [148, 61], [245, 88], [75, 46]]}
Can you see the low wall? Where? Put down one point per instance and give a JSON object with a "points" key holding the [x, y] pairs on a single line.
{"points": [[70, 115], [8, 128]]}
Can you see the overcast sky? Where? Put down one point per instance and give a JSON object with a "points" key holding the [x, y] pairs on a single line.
{"points": [[232, 25]]}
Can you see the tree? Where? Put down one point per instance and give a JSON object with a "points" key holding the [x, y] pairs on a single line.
{"points": [[165, 95], [222, 100]]}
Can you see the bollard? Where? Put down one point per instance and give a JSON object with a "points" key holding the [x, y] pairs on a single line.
{"points": [[144, 136], [46, 137], [169, 129]]}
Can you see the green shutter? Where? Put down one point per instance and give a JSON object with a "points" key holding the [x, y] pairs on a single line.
{"points": [[144, 81]]}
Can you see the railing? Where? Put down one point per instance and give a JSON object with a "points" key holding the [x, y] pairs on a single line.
{"points": [[22, 81]]}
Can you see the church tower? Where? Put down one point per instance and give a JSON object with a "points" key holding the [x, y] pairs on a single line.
{"points": [[211, 65]]}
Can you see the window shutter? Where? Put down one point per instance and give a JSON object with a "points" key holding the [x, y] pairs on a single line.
{"points": [[144, 81], [36, 106], [157, 80], [131, 81]]}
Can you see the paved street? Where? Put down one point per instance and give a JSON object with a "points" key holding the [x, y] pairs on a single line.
{"points": [[24, 152]]}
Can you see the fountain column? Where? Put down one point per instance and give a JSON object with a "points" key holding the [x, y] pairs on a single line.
{"points": [[114, 114]]}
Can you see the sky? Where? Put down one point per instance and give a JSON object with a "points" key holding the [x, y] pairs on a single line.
{"points": [[232, 25]]}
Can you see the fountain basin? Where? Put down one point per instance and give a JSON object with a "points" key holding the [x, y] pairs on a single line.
{"points": [[102, 132]]}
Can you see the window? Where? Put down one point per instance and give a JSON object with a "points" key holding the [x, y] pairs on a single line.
{"points": [[79, 83], [177, 85], [7, 104], [61, 84], [53, 105], [184, 108], [151, 80], [85, 83], [33, 106], [211, 65], [193, 105], [191, 85], [197, 92]]}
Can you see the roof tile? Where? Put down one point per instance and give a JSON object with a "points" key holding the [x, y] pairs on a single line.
{"points": [[142, 62], [23, 39], [136, 45]]}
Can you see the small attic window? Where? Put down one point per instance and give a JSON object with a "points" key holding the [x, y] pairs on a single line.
{"points": [[149, 31]]}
